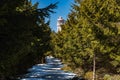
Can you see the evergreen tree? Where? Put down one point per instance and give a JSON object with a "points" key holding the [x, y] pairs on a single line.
{"points": [[92, 30], [23, 34]]}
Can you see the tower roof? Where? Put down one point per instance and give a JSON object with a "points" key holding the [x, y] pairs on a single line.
{"points": [[60, 18]]}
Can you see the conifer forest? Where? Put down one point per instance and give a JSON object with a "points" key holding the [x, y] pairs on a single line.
{"points": [[89, 42]]}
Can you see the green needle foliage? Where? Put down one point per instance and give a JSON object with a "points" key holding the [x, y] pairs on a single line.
{"points": [[92, 28], [24, 35]]}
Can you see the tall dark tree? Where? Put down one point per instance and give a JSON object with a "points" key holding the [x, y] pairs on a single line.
{"points": [[24, 35]]}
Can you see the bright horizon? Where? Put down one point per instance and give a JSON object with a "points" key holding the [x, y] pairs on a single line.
{"points": [[63, 9]]}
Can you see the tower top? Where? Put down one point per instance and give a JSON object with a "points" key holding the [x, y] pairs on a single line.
{"points": [[60, 18], [60, 21]]}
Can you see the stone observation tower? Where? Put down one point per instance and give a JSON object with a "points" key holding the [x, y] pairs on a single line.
{"points": [[60, 21]]}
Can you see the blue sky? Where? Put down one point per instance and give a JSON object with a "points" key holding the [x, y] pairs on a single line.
{"points": [[63, 8]]}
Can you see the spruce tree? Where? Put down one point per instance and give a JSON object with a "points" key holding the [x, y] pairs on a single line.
{"points": [[91, 32], [24, 35]]}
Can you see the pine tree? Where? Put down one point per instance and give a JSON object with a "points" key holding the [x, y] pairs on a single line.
{"points": [[91, 32], [23, 34]]}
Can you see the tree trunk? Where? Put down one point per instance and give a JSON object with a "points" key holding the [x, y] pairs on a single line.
{"points": [[94, 75]]}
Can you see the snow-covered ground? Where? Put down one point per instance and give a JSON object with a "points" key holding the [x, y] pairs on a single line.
{"points": [[49, 71]]}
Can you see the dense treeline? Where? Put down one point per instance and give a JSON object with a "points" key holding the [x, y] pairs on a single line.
{"points": [[92, 31], [24, 35]]}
